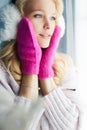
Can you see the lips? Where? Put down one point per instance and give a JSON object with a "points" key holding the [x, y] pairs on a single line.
{"points": [[45, 35]]}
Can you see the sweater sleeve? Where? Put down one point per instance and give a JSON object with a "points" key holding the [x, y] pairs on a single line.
{"points": [[62, 111], [16, 112], [19, 113]]}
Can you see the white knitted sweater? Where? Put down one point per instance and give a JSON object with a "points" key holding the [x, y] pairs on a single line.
{"points": [[61, 109]]}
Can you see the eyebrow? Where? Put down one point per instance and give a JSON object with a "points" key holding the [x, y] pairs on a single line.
{"points": [[40, 10]]}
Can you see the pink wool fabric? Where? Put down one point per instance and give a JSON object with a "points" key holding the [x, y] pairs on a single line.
{"points": [[46, 70], [28, 49]]}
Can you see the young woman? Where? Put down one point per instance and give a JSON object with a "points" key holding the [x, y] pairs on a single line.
{"points": [[30, 67]]}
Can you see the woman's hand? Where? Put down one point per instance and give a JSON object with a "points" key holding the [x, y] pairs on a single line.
{"points": [[29, 53], [46, 69], [28, 48]]}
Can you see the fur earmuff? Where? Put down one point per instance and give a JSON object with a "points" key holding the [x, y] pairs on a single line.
{"points": [[9, 18]]}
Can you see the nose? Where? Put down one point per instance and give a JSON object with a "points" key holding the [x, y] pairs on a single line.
{"points": [[46, 24]]}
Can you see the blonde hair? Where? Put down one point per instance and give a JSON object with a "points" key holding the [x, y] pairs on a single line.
{"points": [[9, 54], [58, 4]]}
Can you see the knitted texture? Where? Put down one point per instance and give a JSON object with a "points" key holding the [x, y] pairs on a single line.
{"points": [[29, 51], [62, 111], [48, 54]]}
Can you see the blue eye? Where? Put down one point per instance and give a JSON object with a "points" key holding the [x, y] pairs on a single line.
{"points": [[37, 15]]}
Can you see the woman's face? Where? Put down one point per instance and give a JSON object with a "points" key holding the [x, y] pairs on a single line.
{"points": [[42, 14]]}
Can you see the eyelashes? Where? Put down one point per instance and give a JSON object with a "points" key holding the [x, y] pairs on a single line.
{"points": [[53, 18], [38, 16]]}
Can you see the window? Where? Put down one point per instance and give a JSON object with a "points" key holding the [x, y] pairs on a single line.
{"points": [[74, 41], [81, 42], [67, 43]]}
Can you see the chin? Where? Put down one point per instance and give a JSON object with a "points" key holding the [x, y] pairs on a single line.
{"points": [[44, 44]]}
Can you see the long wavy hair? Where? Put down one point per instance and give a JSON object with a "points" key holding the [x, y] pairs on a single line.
{"points": [[9, 55]]}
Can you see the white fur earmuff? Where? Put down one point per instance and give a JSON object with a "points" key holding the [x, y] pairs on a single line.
{"points": [[61, 23], [9, 18]]}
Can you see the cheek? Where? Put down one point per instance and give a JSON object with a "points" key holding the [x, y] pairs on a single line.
{"points": [[53, 27], [37, 27], [35, 23]]}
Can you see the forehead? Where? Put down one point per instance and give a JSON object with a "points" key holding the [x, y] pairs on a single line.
{"points": [[45, 5]]}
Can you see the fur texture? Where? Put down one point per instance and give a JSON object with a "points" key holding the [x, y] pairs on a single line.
{"points": [[4, 2], [61, 23], [9, 18]]}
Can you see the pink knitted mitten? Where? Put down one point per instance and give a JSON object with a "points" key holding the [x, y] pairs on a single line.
{"points": [[28, 49], [46, 70]]}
